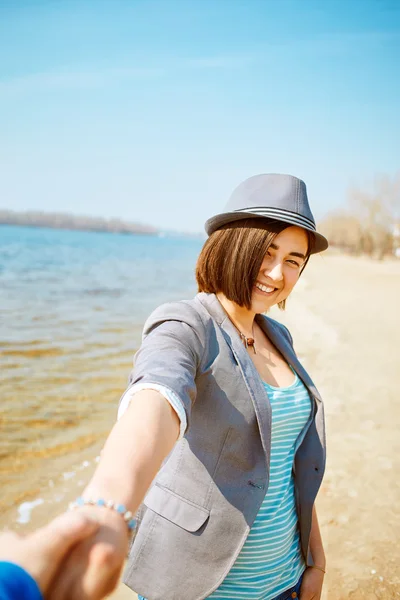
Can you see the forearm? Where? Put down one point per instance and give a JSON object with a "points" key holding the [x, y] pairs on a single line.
{"points": [[134, 450], [316, 545]]}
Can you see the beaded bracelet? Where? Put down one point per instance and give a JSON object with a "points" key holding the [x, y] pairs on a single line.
{"points": [[119, 508]]}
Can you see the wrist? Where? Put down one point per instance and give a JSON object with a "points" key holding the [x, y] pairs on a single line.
{"points": [[110, 487], [108, 509], [318, 568]]}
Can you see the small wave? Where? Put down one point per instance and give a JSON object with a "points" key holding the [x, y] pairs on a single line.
{"points": [[25, 510], [114, 330], [5, 344], [58, 497], [51, 424], [33, 353], [21, 458]]}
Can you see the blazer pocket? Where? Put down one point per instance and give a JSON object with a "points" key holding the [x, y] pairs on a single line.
{"points": [[176, 509]]}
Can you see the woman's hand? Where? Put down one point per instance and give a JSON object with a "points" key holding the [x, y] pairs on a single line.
{"points": [[93, 568], [311, 586]]}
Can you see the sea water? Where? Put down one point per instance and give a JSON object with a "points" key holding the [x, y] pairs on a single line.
{"points": [[72, 307]]}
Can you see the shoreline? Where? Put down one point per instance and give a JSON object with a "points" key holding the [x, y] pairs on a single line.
{"points": [[38, 506]]}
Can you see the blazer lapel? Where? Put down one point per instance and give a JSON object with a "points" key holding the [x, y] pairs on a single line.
{"points": [[251, 377]]}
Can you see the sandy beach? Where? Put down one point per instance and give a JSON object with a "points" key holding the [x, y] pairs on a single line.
{"points": [[344, 318]]}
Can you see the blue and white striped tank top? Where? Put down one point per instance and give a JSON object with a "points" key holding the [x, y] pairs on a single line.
{"points": [[271, 561]]}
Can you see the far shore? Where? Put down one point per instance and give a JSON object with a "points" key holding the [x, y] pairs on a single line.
{"points": [[73, 222]]}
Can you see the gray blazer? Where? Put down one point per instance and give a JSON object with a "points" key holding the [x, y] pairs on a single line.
{"points": [[198, 512]]}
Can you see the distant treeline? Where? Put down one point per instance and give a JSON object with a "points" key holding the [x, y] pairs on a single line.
{"points": [[66, 221], [370, 222]]}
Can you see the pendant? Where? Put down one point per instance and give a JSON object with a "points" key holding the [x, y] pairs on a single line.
{"points": [[250, 342]]}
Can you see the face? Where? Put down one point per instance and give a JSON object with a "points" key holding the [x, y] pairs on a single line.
{"points": [[280, 269]]}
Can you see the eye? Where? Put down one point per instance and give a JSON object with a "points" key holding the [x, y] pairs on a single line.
{"points": [[294, 262]]}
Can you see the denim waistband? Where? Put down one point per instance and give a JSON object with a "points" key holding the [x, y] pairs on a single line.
{"points": [[292, 592]]}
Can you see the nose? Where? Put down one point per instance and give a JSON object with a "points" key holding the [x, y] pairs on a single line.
{"points": [[274, 272]]}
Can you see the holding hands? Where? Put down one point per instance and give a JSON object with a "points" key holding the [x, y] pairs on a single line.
{"points": [[78, 555], [93, 567]]}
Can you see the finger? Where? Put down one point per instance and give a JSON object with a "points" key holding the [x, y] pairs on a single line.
{"points": [[57, 538], [67, 582], [92, 568], [88, 573]]}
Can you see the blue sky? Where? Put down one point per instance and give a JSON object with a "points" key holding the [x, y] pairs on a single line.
{"points": [[154, 110]]}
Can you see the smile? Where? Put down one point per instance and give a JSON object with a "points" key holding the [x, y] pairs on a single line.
{"points": [[267, 289]]}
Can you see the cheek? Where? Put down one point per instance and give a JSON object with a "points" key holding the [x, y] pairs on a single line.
{"points": [[290, 280]]}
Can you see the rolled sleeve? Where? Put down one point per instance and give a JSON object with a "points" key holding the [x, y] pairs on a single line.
{"points": [[169, 395]]}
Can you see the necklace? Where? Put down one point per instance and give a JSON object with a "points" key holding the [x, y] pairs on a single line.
{"points": [[248, 342]]}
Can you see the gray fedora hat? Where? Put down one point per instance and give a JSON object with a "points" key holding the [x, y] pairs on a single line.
{"points": [[274, 197]]}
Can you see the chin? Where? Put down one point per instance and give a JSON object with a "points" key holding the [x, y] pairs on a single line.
{"points": [[261, 307]]}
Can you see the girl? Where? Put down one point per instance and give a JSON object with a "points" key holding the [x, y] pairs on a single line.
{"points": [[221, 428]]}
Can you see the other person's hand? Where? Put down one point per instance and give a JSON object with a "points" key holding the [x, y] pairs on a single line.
{"points": [[93, 567], [311, 586], [40, 553]]}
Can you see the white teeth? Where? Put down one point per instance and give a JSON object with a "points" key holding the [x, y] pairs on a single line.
{"points": [[265, 288]]}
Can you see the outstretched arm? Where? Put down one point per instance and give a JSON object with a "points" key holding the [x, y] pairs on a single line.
{"points": [[169, 356], [132, 456]]}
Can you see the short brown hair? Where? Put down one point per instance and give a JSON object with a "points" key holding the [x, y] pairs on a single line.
{"points": [[231, 258]]}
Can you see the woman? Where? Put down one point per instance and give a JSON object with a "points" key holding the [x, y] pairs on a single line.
{"points": [[218, 400]]}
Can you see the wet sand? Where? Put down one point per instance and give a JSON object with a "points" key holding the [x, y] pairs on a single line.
{"points": [[344, 319]]}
